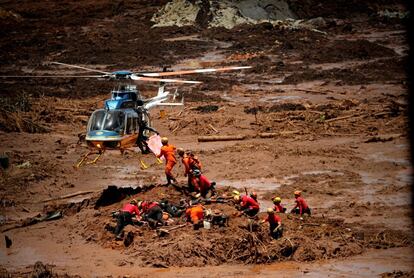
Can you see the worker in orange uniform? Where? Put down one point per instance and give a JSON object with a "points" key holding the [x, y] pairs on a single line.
{"points": [[247, 204], [195, 215], [277, 206], [190, 163], [125, 215], [275, 224], [168, 151], [301, 206]]}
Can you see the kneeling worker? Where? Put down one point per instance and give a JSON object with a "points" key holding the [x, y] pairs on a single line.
{"points": [[203, 185], [195, 215], [275, 224], [125, 217], [152, 212], [247, 204], [277, 206], [301, 206]]}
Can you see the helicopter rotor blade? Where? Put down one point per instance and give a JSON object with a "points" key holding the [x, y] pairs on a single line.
{"points": [[79, 67], [159, 74], [52, 76], [142, 78]]}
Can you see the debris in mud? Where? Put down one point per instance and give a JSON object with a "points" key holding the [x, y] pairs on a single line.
{"points": [[287, 107], [341, 50], [207, 108], [398, 274], [15, 121]]}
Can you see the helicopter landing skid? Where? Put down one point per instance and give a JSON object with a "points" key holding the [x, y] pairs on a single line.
{"points": [[85, 159]]}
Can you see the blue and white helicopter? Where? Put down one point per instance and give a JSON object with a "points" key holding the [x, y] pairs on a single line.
{"points": [[124, 121]]}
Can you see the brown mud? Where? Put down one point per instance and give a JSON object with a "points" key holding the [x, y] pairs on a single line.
{"points": [[335, 100]]}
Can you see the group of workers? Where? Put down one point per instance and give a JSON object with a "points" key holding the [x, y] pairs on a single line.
{"points": [[157, 213], [197, 182], [249, 206]]}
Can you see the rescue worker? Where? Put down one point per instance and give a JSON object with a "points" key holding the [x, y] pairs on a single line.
{"points": [[301, 206], [125, 217], [143, 125], [190, 163], [247, 204], [277, 206], [167, 151], [203, 185], [194, 161], [173, 210], [254, 195], [152, 213], [275, 224], [195, 215]]}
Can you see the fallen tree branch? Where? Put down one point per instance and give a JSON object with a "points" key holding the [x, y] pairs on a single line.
{"points": [[275, 134], [342, 118], [221, 138], [213, 128], [69, 195]]}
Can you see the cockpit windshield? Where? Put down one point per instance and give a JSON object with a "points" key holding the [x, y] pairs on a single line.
{"points": [[112, 120]]}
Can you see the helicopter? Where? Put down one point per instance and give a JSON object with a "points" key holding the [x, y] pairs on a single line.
{"points": [[124, 121]]}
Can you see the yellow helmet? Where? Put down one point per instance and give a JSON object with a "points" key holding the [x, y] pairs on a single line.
{"points": [[270, 210], [277, 200], [235, 192], [236, 198], [297, 192], [133, 202], [164, 140]]}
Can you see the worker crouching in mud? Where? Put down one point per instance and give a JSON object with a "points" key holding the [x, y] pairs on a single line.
{"points": [[125, 217], [151, 212], [247, 204], [277, 206], [203, 185], [275, 224], [301, 206], [168, 151], [195, 215]]}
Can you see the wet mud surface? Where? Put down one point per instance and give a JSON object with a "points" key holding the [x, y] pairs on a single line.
{"points": [[334, 100]]}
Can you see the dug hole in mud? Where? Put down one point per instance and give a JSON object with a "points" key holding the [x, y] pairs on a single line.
{"points": [[323, 110]]}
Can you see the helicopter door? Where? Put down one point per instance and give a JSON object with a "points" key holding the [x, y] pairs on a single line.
{"points": [[131, 124]]}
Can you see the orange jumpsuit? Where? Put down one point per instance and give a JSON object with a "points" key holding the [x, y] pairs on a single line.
{"points": [[195, 214], [168, 151]]}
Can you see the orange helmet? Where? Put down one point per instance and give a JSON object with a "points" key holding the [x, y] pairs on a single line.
{"points": [[297, 192], [253, 195]]}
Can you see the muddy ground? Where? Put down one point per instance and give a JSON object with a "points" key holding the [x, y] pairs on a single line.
{"points": [[334, 98]]}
